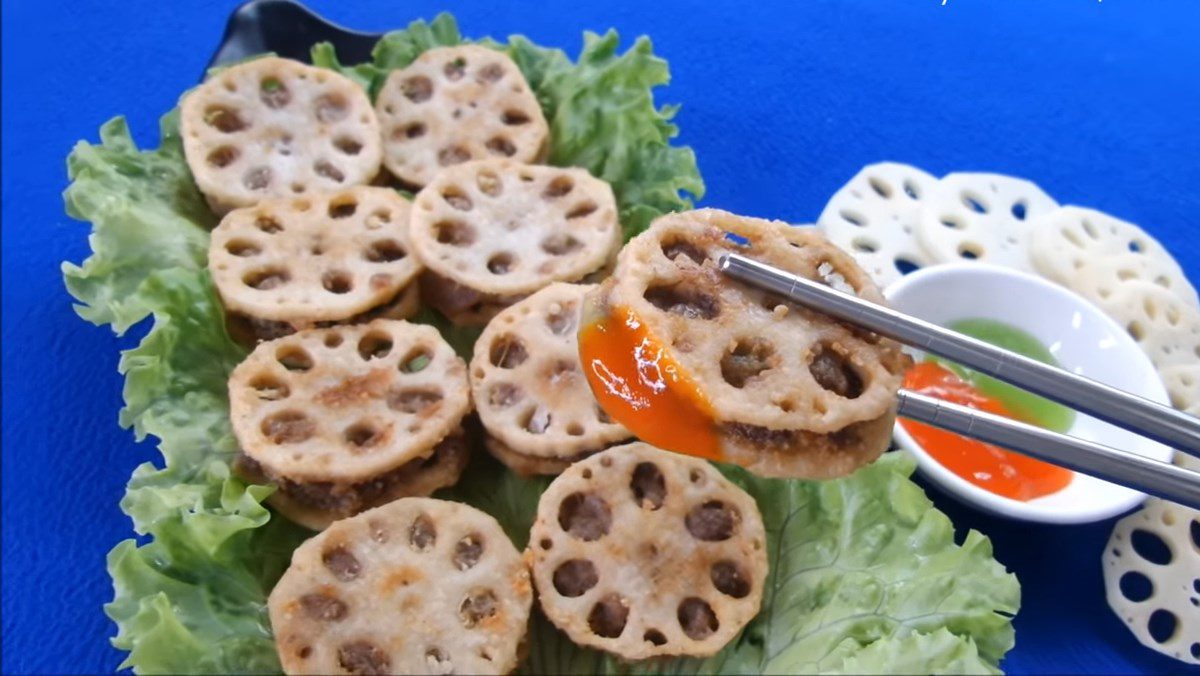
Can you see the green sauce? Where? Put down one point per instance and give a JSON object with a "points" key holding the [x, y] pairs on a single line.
{"points": [[1027, 407]]}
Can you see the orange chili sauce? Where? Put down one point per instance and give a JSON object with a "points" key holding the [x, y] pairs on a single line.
{"points": [[994, 469], [635, 381]]}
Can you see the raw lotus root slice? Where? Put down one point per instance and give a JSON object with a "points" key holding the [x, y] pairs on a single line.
{"points": [[529, 388], [455, 104], [874, 217], [323, 257], [793, 393], [347, 404], [1064, 239], [1099, 277], [418, 586], [274, 127], [1183, 384], [644, 553], [502, 228], [1152, 575], [983, 217], [1166, 328]]}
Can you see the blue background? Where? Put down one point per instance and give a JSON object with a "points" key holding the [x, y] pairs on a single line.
{"points": [[1099, 102]]}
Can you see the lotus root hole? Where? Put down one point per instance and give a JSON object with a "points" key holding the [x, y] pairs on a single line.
{"points": [[507, 352], [379, 531], [489, 183], [288, 427], [608, 617], [478, 606], [333, 339], [1162, 625], [269, 387], [417, 89], [454, 233], [675, 248], [748, 359], [504, 395], [536, 420], [294, 358], [684, 301], [362, 657], [558, 186], [1018, 210], [268, 225], [223, 156], [1135, 586], [323, 607], [649, 486], [492, 72], [273, 93], [974, 202], [363, 435], [582, 209], [342, 563], [833, 372], [385, 251], [337, 281], [501, 263], [304, 652], [575, 429], [454, 70], [342, 208], [326, 169], [500, 145], [729, 579], [654, 637], [331, 107], [881, 187], [1151, 547], [514, 118], [242, 248], [574, 577], [561, 244], [457, 199], [416, 360], [712, 521], [561, 319], [224, 119], [697, 618], [468, 551], [265, 279], [455, 154], [413, 401], [422, 534], [257, 178], [409, 131], [585, 516], [696, 476], [347, 145]]}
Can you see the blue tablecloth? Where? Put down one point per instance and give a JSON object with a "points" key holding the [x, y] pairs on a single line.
{"points": [[1096, 100]]}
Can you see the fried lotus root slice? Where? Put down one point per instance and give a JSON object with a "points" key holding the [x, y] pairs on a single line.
{"points": [[1152, 577], [455, 104], [324, 257], [502, 228], [874, 217], [789, 392], [984, 217], [417, 586], [347, 404], [528, 385], [273, 128], [645, 553], [315, 505]]}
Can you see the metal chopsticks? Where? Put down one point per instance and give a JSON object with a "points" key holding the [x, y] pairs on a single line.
{"points": [[1131, 412]]}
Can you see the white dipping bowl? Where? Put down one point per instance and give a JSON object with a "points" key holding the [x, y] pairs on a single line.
{"points": [[1082, 338]]}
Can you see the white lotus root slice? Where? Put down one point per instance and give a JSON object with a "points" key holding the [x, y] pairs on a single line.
{"points": [[1166, 328], [455, 104], [346, 405], [793, 393], [418, 586], [529, 388], [1064, 240], [983, 217], [645, 553], [1183, 385], [1097, 278], [273, 128], [874, 217], [1152, 575], [493, 231], [319, 258]]}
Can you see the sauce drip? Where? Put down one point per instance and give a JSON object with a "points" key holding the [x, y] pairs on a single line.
{"points": [[994, 469], [635, 381]]}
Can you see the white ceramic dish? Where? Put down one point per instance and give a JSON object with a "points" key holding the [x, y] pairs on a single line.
{"points": [[1083, 340]]}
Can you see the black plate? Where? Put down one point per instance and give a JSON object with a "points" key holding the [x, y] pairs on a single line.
{"points": [[287, 29]]}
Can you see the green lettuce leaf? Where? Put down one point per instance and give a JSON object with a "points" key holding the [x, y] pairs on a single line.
{"points": [[600, 109]]}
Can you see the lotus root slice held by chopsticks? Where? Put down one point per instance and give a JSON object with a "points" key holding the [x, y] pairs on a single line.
{"points": [[319, 258], [874, 217], [529, 388], [493, 231], [645, 553], [417, 586], [1152, 576], [455, 104], [792, 392], [984, 217], [273, 128], [335, 416]]}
